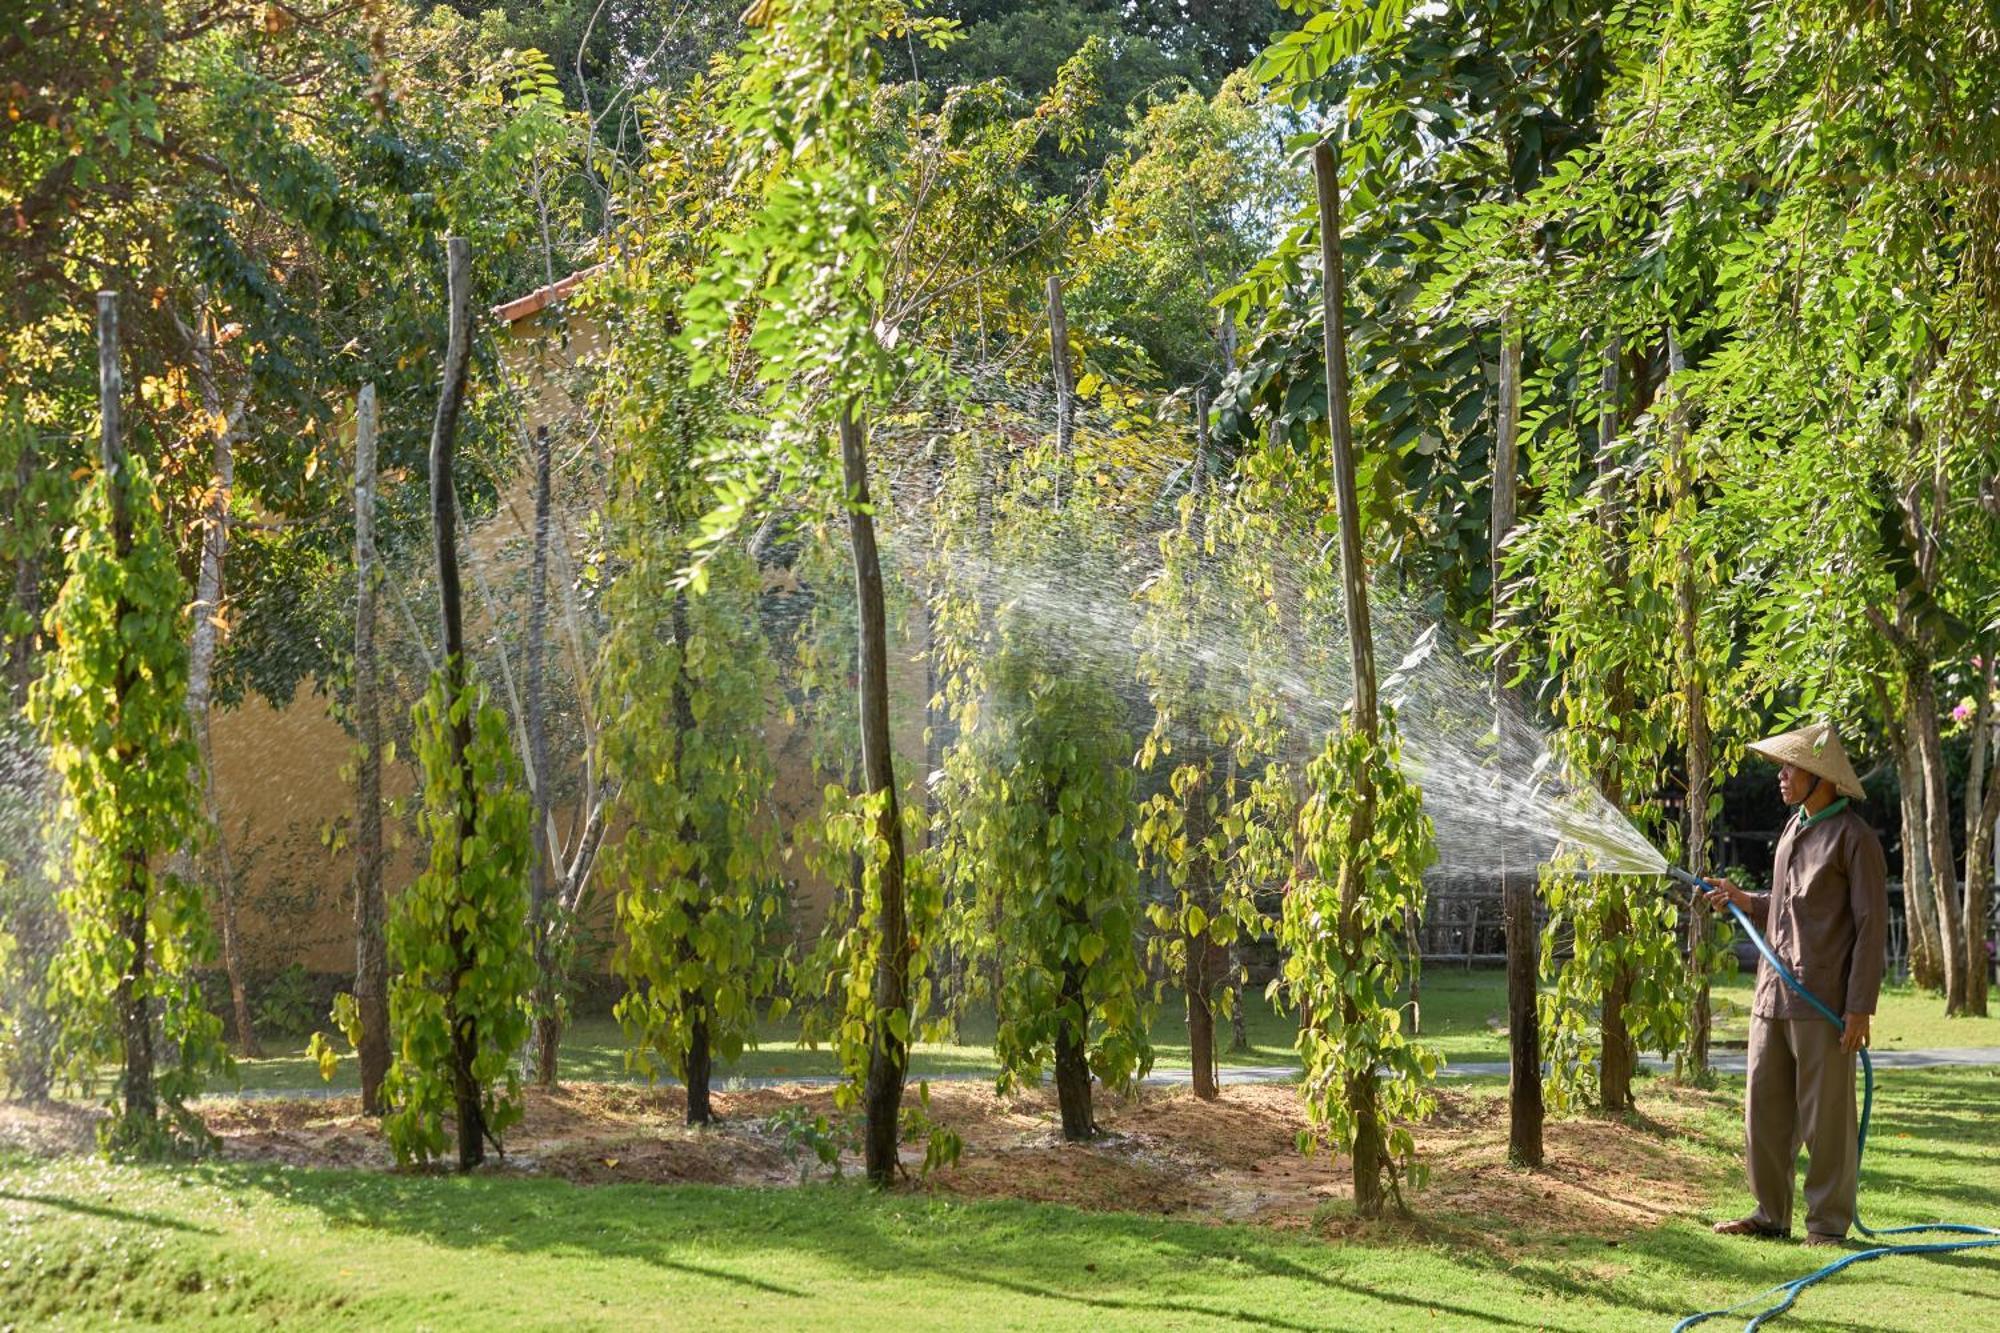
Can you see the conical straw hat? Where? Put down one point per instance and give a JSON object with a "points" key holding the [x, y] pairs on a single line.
{"points": [[1815, 749]]}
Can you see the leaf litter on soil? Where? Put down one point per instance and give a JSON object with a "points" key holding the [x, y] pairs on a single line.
{"points": [[1164, 1152]]}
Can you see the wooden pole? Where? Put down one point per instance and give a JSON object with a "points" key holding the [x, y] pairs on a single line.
{"points": [[1618, 1056], [888, 1055], [371, 911], [1065, 385], [1982, 811], [1353, 573], [27, 572], [110, 438], [1360, 1088], [134, 1011], [204, 640], [471, 1121], [1526, 1113], [1199, 969], [542, 869], [1695, 699]]}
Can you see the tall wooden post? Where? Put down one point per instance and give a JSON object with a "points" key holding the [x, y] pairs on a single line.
{"points": [[471, 1120], [1618, 1056], [699, 1063], [134, 1011], [1694, 694], [203, 642], [1065, 384], [27, 574], [371, 949], [1202, 961], [1361, 1086], [542, 869], [888, 1054], [1982, 809], [1525, 1111]]}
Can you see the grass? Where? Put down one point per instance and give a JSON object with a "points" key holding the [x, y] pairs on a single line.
{"points": [[1464, 1015], [1456, 1008], [83, 1243]]}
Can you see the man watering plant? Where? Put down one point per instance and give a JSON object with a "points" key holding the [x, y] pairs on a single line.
{"points": [[1826, 916]]}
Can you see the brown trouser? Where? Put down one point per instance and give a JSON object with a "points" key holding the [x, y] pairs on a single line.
{"points": [[1800, 1090]]}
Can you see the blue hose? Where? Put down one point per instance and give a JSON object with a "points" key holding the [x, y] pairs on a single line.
{"points": [[1788, 1292]]}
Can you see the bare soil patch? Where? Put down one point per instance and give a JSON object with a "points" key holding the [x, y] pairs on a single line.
{"points": [[1165, 1152]]}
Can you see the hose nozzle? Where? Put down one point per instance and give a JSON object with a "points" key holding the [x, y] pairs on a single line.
{"points": [[1675, 872]]}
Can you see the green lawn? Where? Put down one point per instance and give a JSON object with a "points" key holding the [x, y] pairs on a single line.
{"points": [[237, 1246], [1463, 1013], [1456, 1008]]}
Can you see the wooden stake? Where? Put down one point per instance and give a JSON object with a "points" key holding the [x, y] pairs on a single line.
{"points": [[371, 910], [1694, 694], [888, 1056], [134, 1011], [1359, 1086], [1526, 1113], [1065, 385], [1353, 573], [470, 1117], [542, 871]]}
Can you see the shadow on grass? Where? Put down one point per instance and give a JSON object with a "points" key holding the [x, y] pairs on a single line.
{"points": [[107, 1214], [1113, 1261]]}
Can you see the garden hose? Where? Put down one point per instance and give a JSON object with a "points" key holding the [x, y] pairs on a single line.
{"points": [[1779, 1299]]}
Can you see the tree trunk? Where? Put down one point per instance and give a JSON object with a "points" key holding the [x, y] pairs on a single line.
{"points": [[1525, 1111], [232, 937], [700, 1069], [371, 910], [1198, 979], [134, 1009], [541, 871], [1937, 803], [1239, 1032], [1617, 1058], [1694, 691], [694, 1001], [1072, 1062], [888, 1054], [1360, 1086], [201, 668], [27, 576], [1982, 809], [1200, 990], [1920, 927], [1065, 390], [471, 1119]]}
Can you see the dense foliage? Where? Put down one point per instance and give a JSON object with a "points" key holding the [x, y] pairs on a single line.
{"points": [[458, 938], [110, 705], [940, 429]]}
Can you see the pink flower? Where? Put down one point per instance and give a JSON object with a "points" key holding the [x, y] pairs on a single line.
{"points": [[1962, 713]]}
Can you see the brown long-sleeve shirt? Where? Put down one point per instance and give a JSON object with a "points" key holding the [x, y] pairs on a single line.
{"points": [[1827, 916]]}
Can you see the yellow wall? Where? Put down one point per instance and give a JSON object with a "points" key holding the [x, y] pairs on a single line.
{"points": [[283, 776]]}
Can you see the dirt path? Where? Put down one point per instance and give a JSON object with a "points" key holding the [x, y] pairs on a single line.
{"points": [[1164, 1152]]}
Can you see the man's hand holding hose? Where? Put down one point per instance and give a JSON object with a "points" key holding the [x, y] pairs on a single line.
{"points": [[1721, 894]]}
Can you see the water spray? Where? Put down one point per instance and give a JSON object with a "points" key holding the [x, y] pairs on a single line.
{"points": [[1779, 1299]]}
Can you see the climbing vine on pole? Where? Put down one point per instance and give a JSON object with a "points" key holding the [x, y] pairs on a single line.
{"points": [[111, 706], [1036, 815], [1215, 726], [1362, 866], [458, 937], [696, 869]]}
